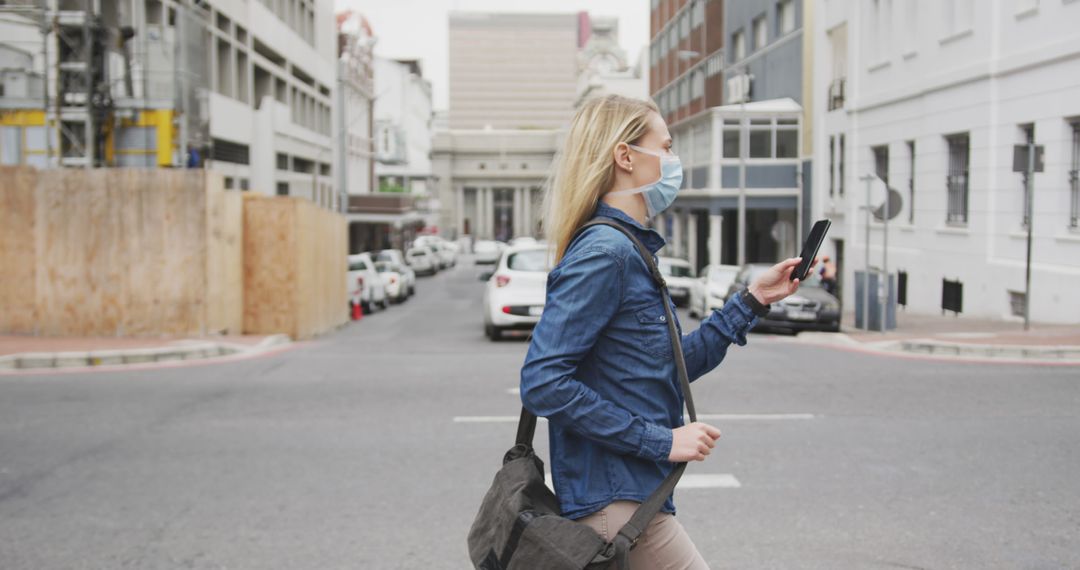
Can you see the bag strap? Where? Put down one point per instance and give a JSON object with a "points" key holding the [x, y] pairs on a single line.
{"points": [[630, 532]]}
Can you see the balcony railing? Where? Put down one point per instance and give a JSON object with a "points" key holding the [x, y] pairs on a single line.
{"points": [[836, 94]]}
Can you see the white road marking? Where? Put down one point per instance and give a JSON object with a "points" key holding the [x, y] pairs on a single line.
{"points": [[689, 481], [513, 391], [701, 417]]}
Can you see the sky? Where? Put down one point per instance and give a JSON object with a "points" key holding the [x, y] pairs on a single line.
{"points": [[417, 29]]}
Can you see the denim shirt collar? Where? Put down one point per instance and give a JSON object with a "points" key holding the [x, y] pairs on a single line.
{"points": [[648, 236]]}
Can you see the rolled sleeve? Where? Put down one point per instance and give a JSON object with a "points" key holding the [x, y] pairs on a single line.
{"points": [[583, 294], [706, 347]]}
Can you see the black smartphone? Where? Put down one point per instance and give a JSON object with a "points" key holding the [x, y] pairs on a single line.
{"points": [[810, 249]]}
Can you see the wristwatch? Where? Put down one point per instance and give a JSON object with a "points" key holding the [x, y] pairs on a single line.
{"points": [[751, 301]]}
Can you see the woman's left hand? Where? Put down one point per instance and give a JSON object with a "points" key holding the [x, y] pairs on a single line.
{"points": [[776, 283]]}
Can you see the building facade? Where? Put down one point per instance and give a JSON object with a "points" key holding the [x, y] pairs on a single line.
{"points": [[246, 89], [929, 99], [734, 112], [498, 78]]}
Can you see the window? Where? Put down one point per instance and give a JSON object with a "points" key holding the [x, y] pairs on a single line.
{"points": [[282, 188], [840, 167], [761, 138], [738, 46], [697, 13], [697, 84], [787, 138], [785, 16], [761, 35], [956, 16], [1027, 136], [832, 166], [731, 138], [957, 179], [881, 163], [1074, 177], [911, 181]]}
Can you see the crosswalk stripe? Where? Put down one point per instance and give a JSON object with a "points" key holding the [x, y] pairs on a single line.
{"points": [[689, 481], [701, 417]]}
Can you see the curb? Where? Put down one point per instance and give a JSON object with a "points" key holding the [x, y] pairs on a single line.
{"points": [[1011, 351], [182, 350], [949, 351]]}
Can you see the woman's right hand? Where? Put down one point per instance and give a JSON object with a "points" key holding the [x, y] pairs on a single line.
{"points": [[692, 442]]}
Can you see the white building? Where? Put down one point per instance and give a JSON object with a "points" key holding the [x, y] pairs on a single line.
{"points": [[931, 96], [403, 126], [354, 108]]}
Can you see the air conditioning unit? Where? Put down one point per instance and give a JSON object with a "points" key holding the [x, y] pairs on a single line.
{"points": [[739, 88]]}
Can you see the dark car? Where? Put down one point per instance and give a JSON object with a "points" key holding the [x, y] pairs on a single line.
{"points": [[811, 308]]}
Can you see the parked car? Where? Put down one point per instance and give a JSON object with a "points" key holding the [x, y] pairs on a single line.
{"points": [[447, 252], [487, 251], [421, 261], [810, 308], [523, 240], [396, 289], [397, 258], [364, 284], [680, 278], [710, 291], [515, 290]]}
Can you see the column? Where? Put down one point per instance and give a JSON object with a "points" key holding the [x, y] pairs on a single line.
{"points": [[460, 217], [676, 234], [517, 211], [716, 224], [691, 239], [526, 216]]}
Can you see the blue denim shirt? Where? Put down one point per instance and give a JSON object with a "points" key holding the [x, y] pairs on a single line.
{"points": [[601, 370]]}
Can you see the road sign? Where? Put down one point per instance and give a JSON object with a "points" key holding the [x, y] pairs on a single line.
{"points": [[1020, 158]]}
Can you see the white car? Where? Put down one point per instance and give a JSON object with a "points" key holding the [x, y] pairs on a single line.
{"points": [[422, 261], [680, 278], [364, 284], [710, 291], [487, 251], [397, 258], [448, 253], [523, 240], [396, 289], [515, 290]]}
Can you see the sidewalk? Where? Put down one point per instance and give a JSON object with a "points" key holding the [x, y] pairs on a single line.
{"points": [[963, 336], [19, 352]]}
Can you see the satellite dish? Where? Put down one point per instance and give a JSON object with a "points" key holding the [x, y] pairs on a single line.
{"points": [[894, 203]]}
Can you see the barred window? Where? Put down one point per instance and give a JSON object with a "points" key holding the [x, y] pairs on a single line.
{"points": [[1074, 177], [957, 179]]}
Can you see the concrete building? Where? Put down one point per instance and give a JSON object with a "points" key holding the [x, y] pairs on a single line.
{"points": [[354, 109], [736, 123], [603, 68], [403, 126], [930, 97], [244, 88], [511, 71], [491, 181]]}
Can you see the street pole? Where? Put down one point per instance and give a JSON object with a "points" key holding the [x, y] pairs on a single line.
{"points": [[1030, 183], [868, 178], [885, 265]]}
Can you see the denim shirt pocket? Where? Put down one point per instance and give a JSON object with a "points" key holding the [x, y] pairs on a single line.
{"points": [[652, 330]]}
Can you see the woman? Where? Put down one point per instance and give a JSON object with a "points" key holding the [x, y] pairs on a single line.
{"points": [[600, 364]]}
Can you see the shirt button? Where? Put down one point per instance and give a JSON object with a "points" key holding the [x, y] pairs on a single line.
{"points": [[663, 319]]}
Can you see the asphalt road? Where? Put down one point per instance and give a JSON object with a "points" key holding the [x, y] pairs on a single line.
{"points": [[345, 453]]}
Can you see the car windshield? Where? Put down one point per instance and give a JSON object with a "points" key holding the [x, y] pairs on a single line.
{"points": [[672, 270], [384, 256], [530, 260], [383, 267], [417, 253], [357, 265]]}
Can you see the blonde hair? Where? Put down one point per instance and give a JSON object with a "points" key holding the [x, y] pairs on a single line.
{"points": [[584, 169]]}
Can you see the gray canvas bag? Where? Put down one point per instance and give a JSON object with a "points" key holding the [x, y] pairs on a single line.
{"points": [[520, 526]]}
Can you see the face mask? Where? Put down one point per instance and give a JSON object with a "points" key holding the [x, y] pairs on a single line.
{"points": [[660, 194]]}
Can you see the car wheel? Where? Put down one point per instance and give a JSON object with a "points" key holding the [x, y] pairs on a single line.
{"points": [[493, 332], [384, 304], [367, 307]]}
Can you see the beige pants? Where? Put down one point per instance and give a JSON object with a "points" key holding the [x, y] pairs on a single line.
{"points": [[663, 546]]}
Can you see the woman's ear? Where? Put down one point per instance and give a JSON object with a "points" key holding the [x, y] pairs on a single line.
{"points": [[622, 157]]}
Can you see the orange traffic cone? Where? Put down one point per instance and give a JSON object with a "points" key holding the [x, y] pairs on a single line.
{"points": [[357, 312]]}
